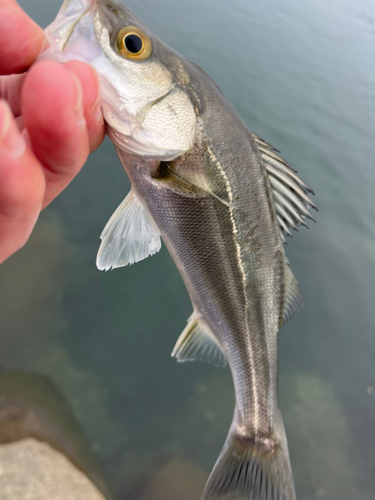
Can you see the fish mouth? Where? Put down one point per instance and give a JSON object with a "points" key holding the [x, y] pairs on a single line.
{"points": [[73, 26], [70, 19], [61, 31], [82, 3]]}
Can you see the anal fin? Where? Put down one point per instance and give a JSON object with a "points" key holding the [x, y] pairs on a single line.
{"points": [[197, 343]]}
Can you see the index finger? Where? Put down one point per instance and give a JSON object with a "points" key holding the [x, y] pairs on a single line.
{"points": [[21, 39]]}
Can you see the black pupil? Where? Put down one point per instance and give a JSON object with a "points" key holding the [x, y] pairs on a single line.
{"points": [[133, 43]]}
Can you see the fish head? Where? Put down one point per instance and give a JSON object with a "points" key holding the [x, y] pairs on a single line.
{"points": [[144, 103]]}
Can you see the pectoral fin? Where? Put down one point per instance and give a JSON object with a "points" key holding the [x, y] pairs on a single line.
{"points": [[129, 236], [197, 343]]}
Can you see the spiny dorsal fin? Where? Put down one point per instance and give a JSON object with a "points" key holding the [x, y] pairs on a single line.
{"points": [[129, 236], [197, 343], [293, 299], [289, 191]]}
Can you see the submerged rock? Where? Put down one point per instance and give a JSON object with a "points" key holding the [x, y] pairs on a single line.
{"points": [[174, 478], [43, 453], [319, 440], [42, 331], [33, 470]]}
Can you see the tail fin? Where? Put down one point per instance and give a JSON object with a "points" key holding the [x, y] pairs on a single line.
{"points": [[251, 468]]}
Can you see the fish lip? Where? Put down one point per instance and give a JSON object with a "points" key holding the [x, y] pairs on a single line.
{"points": [[66, 4], [60, 32], [74, 26]]}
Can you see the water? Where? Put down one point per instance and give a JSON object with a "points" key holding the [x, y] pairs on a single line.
{"points": [[301, 75]]}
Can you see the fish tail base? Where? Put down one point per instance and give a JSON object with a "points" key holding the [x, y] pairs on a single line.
{"points": [[251, 468]]}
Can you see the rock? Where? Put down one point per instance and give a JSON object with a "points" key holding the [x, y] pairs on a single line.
{"points": [[33, 470], [175, 479], [36, 422]]}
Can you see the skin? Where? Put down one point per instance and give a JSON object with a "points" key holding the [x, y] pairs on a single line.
{"points": [[212, 202], [50, 120]]}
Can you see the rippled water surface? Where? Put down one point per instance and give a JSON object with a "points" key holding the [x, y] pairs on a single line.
{"points": [[301, 75]]}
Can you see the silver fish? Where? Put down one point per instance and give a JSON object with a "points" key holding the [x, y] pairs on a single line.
{"points": [[222, 200]]}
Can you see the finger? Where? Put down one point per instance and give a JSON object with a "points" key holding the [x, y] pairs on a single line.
{"points": [[10, 90], [52, 108], [22, 186], [89, 80], [21, 39]]}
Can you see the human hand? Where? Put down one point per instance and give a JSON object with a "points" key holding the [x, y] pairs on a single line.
{"points": [[50, 120]]}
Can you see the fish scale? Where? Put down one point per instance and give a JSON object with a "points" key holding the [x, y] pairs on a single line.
{"points": [[222, 200]]}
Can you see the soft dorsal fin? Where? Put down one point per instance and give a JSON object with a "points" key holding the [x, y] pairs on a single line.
{"points": [[290, 193], [292, 299], [129, 236], [197, 343]]}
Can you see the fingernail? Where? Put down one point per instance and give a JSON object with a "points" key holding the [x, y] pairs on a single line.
{"points": [[78, 108], [11, 139]]}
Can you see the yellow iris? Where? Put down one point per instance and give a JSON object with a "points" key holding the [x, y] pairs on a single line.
{"points": [[133, 43]]}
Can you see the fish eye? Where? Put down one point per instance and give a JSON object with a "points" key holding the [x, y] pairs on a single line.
{"points": [[133, 43]]}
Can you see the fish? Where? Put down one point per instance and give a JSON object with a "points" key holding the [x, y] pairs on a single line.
{"points": [[223, 202]]}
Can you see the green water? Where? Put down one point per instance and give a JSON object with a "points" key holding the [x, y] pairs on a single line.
{"points": [[301, 75]]}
